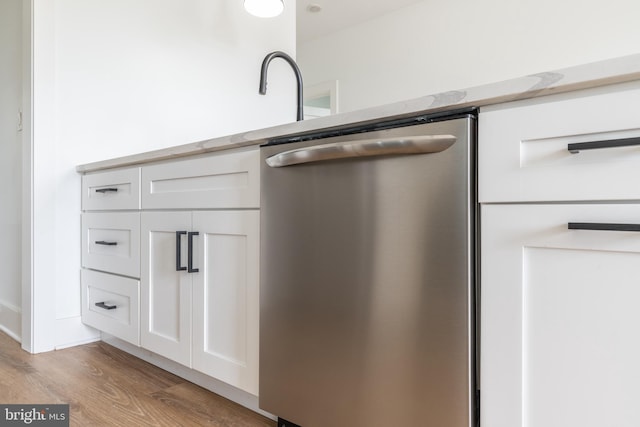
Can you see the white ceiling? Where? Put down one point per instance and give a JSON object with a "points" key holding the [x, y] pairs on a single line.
{"points": [[339, 14]]}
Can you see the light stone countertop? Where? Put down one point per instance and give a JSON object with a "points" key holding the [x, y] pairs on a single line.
{"points": [[611, 71]]}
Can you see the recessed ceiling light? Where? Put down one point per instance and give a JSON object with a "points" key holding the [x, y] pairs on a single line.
{"points": [[314, 8]]}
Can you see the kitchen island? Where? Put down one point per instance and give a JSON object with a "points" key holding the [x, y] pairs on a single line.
{"points": [[555, 299]]}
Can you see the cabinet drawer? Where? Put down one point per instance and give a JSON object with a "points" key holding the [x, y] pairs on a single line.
{"points": [[111, 242], [523, 153], [228, 180], [111, 304], [118, 189]]}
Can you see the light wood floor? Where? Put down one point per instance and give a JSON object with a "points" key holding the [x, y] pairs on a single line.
{"points": [[105, 386]]}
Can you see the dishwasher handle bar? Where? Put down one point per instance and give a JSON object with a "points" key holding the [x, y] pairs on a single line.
{"points": [[423, 144]]}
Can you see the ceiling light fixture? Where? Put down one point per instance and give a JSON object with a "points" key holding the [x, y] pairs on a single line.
{"points": [[264, 8]]}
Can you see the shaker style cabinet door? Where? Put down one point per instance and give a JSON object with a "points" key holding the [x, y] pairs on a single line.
{"points": [[165, 297], [560, 324], [226, 297]]}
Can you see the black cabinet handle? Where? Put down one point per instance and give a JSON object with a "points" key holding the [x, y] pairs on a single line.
{"points": [[105, 306], [105, 243], [190, 256], [107, 190], [179, 267], [594, 145], [598, 226]]}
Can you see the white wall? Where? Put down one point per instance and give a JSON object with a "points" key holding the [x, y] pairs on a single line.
{"points": [[436, 46], [10, 165], [116, 77]]}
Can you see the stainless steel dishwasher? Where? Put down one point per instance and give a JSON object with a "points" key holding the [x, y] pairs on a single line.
{"points": [[368, 258]]}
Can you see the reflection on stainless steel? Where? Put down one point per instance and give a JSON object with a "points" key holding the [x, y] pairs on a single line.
{"points": [[367, 282], [371, 147]]}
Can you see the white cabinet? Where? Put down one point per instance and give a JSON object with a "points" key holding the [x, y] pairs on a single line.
{"points": [[524, 147], [226, 297], [111, 242], [559, 316], [111, 190], [198, 295], [110, 304], [225, 180], [165, 323], [560, 319], [110, 251], [199, 280]]}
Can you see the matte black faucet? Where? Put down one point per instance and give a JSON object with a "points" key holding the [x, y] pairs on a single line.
{"points": [[296, 70]]}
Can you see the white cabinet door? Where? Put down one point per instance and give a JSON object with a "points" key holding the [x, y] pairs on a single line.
{"points": [[226, 297], [165, 308], [560, 324]]}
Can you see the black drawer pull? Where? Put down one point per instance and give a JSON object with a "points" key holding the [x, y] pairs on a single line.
{"points": [[190, 257], [597, 226], [611, 143], [105, 306], [105, 243], [179, 267], [107, 190]]}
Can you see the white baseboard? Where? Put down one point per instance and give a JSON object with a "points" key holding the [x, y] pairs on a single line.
{"points": [[11, 321], [241, 397], [71, 332]]}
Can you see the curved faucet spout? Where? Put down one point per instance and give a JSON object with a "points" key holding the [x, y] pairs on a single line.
{"points": [[296, 70]]}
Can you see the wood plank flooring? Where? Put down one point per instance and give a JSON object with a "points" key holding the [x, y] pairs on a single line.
{"points": [[105, 386]]}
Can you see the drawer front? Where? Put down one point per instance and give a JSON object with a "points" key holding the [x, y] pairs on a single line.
{"points": [[228, 180], [111, 304], [119, 189], [111, 242], [524, 156]]}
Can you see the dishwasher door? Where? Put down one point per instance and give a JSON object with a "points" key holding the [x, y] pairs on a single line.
{"points": [[367, 278]]}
